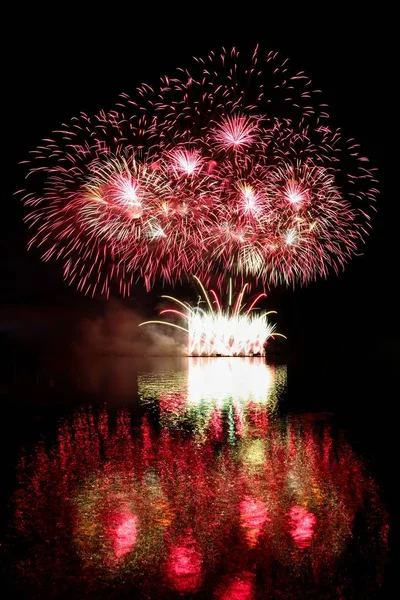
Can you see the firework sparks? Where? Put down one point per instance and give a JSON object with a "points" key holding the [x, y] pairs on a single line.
{"points": [[235, 132], [223, 169], [222, 332]]}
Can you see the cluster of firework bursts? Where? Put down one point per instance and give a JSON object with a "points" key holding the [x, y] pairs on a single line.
{"points": [[222, 332], [157, 510], [231, 167]]}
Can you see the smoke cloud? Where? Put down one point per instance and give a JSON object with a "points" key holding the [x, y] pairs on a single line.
{"points": [[116, 332], [112, 329]]}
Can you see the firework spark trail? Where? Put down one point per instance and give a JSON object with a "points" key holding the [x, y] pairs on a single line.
{"points": [[230, 167], [221, 332]]}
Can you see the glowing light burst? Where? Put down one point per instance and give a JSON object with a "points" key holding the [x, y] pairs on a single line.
{"points": [[294, 193], [229, 167], [251, 204], [186, 161], [222, 332], [235, 132]]}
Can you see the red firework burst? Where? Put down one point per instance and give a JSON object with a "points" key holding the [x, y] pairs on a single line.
{"points": [[222, 170]]}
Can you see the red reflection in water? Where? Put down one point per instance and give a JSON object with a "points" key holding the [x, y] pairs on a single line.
{"points": [[239, 588], [170, 511], [172, 403], [123, 533], [184, 564], [253, 516], [216, 427], [301, 526]]}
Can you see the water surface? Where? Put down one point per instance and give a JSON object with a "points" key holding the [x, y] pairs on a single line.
{"points": [[192, 481]]}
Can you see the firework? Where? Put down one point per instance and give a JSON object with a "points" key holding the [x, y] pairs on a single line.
{"points": [[229, 167], [233, 331]]}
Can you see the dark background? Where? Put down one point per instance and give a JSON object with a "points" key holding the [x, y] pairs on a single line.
{"points": [[343, 347]]}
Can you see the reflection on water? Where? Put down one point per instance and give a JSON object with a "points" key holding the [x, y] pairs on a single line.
{"points": [[232, 504], [218, 380], [253, 507], [209, 394]]}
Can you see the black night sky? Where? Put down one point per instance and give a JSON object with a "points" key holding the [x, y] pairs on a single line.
{"points": [[343, 332]]}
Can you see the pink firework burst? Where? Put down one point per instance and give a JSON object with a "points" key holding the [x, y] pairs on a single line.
{"points": [[235, 132], [250, 200], [226, 168], [294, 193], [188, 162]]}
